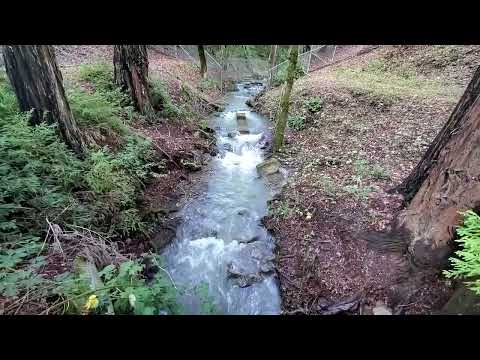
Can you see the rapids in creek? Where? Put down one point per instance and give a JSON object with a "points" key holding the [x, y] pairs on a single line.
{"points": [[221, 241]]}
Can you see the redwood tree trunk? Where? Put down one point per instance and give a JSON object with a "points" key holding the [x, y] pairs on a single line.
{"points": [[281, 122], [452, 185], [203, 61], [415, 179], [131, 75], [38, 85]]}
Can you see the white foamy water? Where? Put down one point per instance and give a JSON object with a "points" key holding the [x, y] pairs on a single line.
{"points": [[221, 241]]}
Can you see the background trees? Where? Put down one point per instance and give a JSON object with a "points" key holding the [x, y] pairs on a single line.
{"points": [[203, 61], [131, 75]]}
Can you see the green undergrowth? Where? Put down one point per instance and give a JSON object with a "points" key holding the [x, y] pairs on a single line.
{"points": [[378, 78], [123, 289], [44, 183], [466, 261], [281, 75]]}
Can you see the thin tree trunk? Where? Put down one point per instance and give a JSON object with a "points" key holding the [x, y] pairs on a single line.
{"points": [[38, 85], [415, 179], [203, 61], [224, 57], [273, 56], [281, 121], [131, 75]]}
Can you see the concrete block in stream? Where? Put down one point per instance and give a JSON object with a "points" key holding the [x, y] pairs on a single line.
{"points": [[242, 124]]}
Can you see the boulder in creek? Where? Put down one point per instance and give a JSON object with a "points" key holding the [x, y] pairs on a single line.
{"points": [[227, 147], [232, 134], [268, 167], [251, 265]]}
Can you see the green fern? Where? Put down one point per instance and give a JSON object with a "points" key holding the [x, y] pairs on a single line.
{"points": [[466, 263]]}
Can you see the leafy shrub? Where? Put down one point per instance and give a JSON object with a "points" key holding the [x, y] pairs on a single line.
{"points": [[104, 176], [207, 84], [100, 75], [314, 104], [136, 158], [162, 101], [96, 110], [129, 221], [38, 174], [296, 122], [466, 263], [281, 75], [8, 101], [127, 289], [17, 272]]}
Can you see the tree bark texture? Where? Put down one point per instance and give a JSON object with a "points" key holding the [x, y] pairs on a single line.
{"points": [[38, 85], [452, 186], [131, 75], [415, 179], [273, 55], [281, 121], [203, 61]]}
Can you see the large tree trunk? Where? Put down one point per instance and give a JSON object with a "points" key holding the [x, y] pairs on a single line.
{"points": [[415, 179], [131, 75], [203, 61], [452, 186], [281, 122], [38, 85]]}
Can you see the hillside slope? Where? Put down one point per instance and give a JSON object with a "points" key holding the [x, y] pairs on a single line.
{"points": [[361, 126]]}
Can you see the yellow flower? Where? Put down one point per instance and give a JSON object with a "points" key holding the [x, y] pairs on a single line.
{"points": [[92, 302]]}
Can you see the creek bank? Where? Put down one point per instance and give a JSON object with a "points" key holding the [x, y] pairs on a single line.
{"points": [[220, 240]]}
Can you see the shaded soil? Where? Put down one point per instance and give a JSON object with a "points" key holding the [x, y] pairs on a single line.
{"points": [[357, 147]]}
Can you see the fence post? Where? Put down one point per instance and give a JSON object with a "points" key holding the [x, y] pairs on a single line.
{"points": [[334, 49]]}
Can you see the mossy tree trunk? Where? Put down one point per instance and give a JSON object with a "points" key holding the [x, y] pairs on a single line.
{"points": [[273, 55], [38, 85], [224, 57], [203, 61], [410, 186], [281, 120], [131, 75]]}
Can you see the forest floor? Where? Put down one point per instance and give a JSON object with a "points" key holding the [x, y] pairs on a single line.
{"points": [[362, 125]]}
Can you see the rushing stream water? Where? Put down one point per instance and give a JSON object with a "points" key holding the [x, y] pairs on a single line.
{"points": [[221, 241]]}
